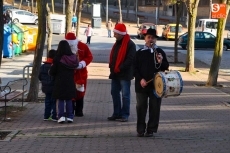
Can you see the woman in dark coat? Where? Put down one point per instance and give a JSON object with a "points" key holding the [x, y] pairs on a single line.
{"points": [[64, 87]]}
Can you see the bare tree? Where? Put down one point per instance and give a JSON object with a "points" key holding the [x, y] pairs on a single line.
{"points": [[210, 8], [69, 14], [216, 60], [128, 7], [32, 6], [34, 84], [179, 6], [192, 6], [52, 6], [20, 5], [75, 9], [178, 12], [49, 30], [13, 2], [120, 13], [1, 32], [79, 9]]}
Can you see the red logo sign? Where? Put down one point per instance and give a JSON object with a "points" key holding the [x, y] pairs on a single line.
{"points": [[218, 11]]}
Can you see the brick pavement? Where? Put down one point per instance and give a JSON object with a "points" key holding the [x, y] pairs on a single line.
{"points": [[196, 121]]}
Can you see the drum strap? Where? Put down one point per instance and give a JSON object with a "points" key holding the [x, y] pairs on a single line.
{"points": [[155, 61]]}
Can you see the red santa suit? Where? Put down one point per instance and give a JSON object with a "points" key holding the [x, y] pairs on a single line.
{"points": [[80, 77]]}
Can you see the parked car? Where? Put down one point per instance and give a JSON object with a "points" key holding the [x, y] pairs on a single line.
{"points": [[23, 16], [228, 35], [143, 29], [202, 40], [7, 7], [169, 31]]}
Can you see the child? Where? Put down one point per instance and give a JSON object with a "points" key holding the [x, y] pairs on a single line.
{"points": [[47, 87], [62, 69], [88, 32]]}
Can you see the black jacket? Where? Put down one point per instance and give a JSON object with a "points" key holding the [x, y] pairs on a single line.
{"points": [[145, 68], [126, 67], [46, 80], [63, 71]]}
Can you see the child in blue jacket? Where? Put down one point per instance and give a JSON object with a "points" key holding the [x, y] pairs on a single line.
{"points": [[47, 87]]}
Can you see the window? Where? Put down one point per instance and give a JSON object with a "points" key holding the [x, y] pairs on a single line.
{"points": [[20, 12], [197, 35], [208, 36], [211, 25], [173, 29], [28, 14]]}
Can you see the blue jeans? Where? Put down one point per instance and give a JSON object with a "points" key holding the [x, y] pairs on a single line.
{"points": [[121, 108], [50, 105], [61, 108], [109, 33]]}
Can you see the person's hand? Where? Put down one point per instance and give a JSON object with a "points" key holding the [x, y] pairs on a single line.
{"points": [[159, 58], [143, 83], [80, 66]]}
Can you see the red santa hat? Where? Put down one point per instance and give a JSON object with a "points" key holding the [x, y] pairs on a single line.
{"points": [[120, 28], [72, 40]]}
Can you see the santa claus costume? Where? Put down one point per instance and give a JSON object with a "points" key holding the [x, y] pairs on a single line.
{"points": [[80, 76]]}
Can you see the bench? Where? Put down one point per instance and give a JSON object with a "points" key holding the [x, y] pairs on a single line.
{"points": [[7, 94], [142, 17]]}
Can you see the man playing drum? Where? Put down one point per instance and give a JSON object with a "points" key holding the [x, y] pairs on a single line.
{"points": [[148, 61]]}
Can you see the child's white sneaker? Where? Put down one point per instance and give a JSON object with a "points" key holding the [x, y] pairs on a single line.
{"points": [[69, 120], [61, 120]]}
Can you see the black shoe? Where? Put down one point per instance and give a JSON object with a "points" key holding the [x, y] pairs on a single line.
{"points": [[148, 134], [114, 118], [79, 114], [123, 119], [140, 134]]}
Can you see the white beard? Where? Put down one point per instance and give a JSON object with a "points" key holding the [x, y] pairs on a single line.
{"points": [[73, 45]]}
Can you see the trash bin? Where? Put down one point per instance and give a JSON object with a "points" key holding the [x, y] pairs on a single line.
{"points": [[25, 36], [57, 26], [60, 19], [32, 38], [7, 44], [17, 39], [96, 22]]}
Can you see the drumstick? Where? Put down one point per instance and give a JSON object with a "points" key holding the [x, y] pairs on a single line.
{"points": [[149, 81]]}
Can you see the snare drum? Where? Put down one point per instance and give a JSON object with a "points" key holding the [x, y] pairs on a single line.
{"points": [[168, 84]]}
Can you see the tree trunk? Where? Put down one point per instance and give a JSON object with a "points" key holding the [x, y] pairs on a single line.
{"points": [[128, 7], [1, 32], [32, 6], [210, 9], [136, 7], [13, 2], [69, 14], [179, 6], [53, 7], [79, 9], [20, 5], [75, 9], [120, 18], [34, 84], [49, 29], [216, 60], [192, 13]]}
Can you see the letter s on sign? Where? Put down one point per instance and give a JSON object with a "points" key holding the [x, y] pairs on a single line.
{"points": [[215, 8]]}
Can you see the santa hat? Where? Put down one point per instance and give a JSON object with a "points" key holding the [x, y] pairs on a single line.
{"points": [[120, 28], [72, 40]]}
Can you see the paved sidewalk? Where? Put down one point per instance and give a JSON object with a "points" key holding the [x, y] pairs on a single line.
{"points": [[196, 121]]}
